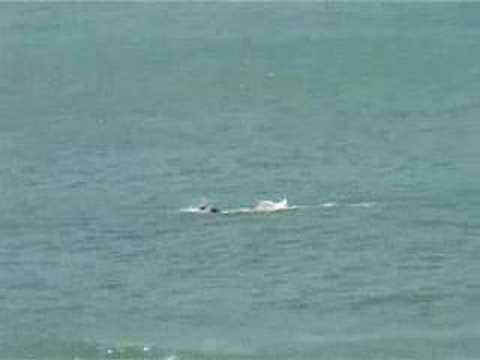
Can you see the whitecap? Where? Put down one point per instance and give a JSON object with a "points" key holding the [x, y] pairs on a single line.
{"points": [[329, 204], [363, 204], [171, 357]]}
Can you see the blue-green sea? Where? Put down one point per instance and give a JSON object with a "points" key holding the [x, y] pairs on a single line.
{"points": [[116, 116]]}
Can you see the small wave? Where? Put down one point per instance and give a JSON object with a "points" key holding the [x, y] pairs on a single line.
{"points": [[171, 357], [138, 352], [363, 204], [329, 204]]}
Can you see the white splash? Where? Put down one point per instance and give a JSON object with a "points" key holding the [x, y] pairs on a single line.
{"points": [[272, 206], [263, 206]]}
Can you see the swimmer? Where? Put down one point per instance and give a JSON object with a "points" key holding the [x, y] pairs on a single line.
{"points": [[207, 208]]}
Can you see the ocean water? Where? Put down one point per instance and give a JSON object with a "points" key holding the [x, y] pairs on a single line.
{"points": [[115, 116]]}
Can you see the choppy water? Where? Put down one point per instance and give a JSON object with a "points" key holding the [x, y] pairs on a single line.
{"points": [[113, 117]]}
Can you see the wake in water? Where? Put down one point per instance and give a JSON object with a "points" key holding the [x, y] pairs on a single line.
{"points": [[264, 206]]}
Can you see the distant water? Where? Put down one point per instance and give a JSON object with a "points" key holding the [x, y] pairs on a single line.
{"points": [[113, 117]]}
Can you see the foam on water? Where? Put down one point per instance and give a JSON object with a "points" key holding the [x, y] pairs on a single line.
{"points": [[136, 352], [269, 206], [363, 204], [263, 206]]}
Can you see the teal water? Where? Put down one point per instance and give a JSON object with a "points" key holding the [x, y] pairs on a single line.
{"points": [[115, 116]]}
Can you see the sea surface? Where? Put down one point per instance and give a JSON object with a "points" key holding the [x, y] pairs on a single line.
{"points": [[115, 116]]}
